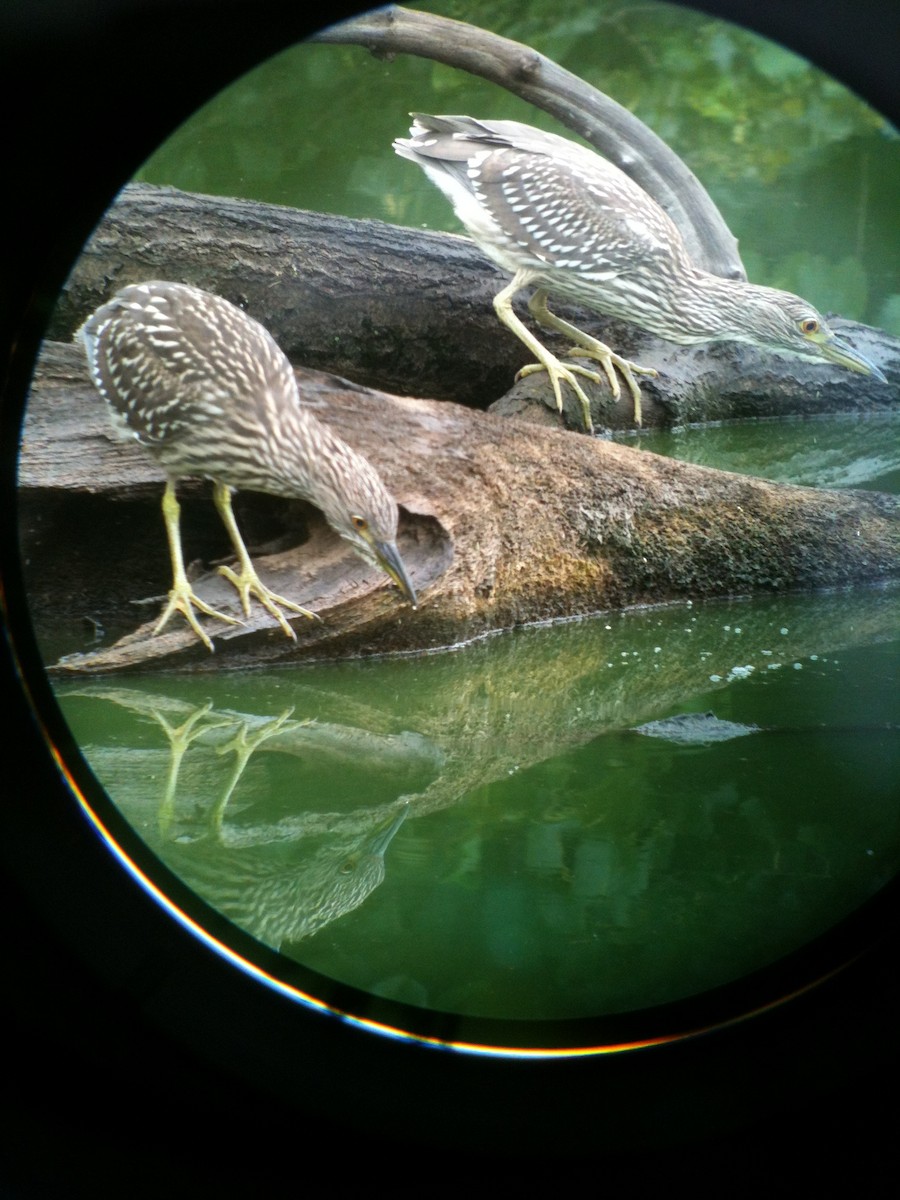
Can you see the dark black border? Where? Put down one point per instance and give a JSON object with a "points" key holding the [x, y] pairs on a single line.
{"points": [[137, 1062]]}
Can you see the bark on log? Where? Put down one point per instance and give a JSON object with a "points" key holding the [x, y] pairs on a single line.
{"points": [[504, 523], [411, 313]]}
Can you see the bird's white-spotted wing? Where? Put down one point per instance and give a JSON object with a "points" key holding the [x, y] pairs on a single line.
{"points": [[169, 359], [534, 199]]}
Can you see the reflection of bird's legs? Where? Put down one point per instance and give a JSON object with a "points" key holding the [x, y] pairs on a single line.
{"points": [[243, 747], [248, 582], [591, 347], [180, 737], [182, 597]]}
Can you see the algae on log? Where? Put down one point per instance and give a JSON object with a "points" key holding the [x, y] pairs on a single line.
{"points": [[503, 523]]}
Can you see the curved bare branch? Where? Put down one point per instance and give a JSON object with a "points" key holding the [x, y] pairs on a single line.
{"points": [[611, 129]]}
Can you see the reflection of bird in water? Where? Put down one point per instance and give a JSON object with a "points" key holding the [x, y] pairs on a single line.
{"points": [[275, 898], [243, 745], [281, 894], [180, 738], [280, 881], [209, 392]]}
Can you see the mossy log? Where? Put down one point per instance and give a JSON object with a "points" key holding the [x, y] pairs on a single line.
{"points": [[503, 523]]}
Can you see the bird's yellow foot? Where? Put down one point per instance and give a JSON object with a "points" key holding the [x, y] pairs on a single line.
{"points": [[584, 346], [183, 599], [560, 374], [242, 745], [180, 738], [610, 362], [248, 584]]}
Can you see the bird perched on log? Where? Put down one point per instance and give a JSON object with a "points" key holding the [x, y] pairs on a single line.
{"points": [[567, 222], [208, 392]]}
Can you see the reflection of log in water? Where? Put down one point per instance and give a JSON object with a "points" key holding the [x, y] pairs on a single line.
{"points": [[535, 693], [281, 864], [516, 700], [402, 754], [702, 729]]}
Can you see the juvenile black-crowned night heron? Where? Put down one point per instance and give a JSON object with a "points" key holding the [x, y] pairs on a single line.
{"points": [[282, 895], [565, 221], [208, 391]]}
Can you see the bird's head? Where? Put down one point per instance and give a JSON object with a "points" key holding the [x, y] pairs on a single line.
{"points": [[779, 320], [361, 509]]}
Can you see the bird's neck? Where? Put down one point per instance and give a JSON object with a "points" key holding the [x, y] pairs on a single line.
{"points": [[289, 455], [310, 462], [708, 308]]}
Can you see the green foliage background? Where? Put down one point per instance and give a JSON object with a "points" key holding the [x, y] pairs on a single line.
{"points": [[806, 174]]}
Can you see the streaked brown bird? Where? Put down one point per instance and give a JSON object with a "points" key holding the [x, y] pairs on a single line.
{"points": [[567, 222], [209, 392], [284, 894]]}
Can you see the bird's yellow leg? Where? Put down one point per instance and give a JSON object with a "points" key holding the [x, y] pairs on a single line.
{"points": [[546, 360], [180, 738], [591, 347], [243, 745], [182, 597], [248, 583]]}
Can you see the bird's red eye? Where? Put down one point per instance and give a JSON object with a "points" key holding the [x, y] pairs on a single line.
{"points": [[360, 523], [809, 325]]}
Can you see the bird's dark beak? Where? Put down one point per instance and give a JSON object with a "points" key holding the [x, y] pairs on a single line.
{"points": [[390, 561], [839, 352], [382, 838]]}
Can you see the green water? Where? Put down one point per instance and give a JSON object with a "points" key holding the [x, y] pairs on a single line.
{"points": [[550, 861], [483, 831], [553, 862]]}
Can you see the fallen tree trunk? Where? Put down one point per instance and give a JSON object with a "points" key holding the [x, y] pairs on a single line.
{"points": [[504, 523], [411, 312]]}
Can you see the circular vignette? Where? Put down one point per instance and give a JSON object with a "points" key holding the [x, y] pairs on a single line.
{"points": [[106, 984]]}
